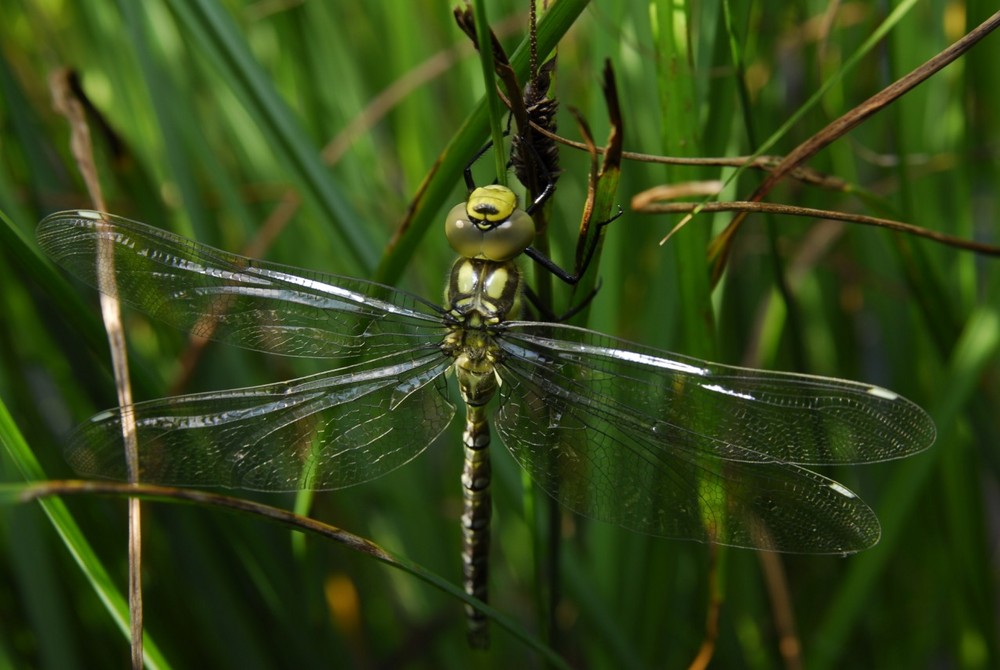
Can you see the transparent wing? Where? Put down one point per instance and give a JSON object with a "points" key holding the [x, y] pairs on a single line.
{"points": [[325, 431], [234, 299], [678, 447], [321, 432]]}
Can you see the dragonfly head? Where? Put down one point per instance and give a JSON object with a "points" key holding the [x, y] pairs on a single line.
{"points": [[489, 225]]}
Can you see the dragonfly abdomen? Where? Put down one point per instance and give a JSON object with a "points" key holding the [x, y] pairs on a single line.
{"points": [[476, 519], [481, 294]]}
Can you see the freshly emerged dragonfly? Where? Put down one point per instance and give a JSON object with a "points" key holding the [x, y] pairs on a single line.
{"points": [[652, 441]]}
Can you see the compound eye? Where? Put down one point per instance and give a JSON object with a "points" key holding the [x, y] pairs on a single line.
{"points": [[509, 238], [489, 225], [463, 235]]}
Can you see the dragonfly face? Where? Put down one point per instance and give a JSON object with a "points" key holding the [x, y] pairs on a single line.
{"points": [[489, 225], [649, 440]]}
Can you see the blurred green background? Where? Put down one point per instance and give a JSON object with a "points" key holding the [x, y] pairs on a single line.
{"points": [[208, 116]]}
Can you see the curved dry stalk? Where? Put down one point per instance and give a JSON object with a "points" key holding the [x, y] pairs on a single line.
{"points": [[67, 103], [747, 207], [719, 248], [24, 493], [804, 174]]}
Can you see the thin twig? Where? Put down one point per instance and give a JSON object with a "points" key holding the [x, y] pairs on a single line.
{"points": [[789, 645], [845, 123], [67, 104], [749, 207], [707, 649]]}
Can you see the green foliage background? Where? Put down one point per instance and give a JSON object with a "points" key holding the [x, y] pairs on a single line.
{"points": [[215, 111]]}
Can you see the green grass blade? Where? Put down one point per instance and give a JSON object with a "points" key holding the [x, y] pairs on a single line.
{"points": [[73, 538], [216, 34]]}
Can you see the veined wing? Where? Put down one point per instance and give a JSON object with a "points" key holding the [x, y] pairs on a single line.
{"points": [[324, 431], [677, 447], [234, 299]]}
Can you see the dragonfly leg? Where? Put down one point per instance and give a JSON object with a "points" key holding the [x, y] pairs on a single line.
{"points": [[571, 278], [547, 314]]}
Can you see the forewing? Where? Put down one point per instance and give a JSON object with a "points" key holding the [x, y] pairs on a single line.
{"points": [[325, 431], [234, 299], [677, 447]]}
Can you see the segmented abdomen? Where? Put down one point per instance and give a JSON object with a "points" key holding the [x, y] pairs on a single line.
{"points": [[476, 519]]}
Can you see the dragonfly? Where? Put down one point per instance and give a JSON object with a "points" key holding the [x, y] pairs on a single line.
{"points": [[652, 441]]}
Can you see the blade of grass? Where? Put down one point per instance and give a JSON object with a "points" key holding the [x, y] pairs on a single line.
{"points": [[973, 354], [681, 136], [73, 538], [490, 86], [20, 493], [219, 39]]}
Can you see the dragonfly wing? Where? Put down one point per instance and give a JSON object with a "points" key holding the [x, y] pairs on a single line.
{"points": [[234, 299], [321, 432], [678, 447]]}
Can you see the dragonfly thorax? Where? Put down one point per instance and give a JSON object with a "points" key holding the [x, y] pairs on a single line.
{"points": [[481, 295], [489, 225]]}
